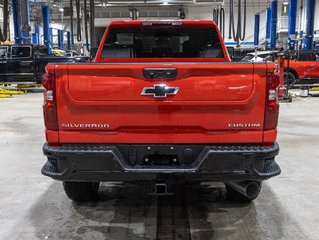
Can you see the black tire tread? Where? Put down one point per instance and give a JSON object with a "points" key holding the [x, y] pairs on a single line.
{"points": [[81, 191], [294, 74]]}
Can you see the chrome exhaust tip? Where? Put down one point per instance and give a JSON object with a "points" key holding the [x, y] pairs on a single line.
{"points": [[248, 189]]}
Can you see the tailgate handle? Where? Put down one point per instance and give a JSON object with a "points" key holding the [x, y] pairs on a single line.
{"points": [[160, 73]]}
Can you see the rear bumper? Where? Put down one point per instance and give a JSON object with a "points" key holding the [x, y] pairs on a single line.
{"points": [[91, 162]]}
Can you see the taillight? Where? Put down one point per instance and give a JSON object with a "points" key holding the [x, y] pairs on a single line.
{"points": [[49, 106], [272, 105]]}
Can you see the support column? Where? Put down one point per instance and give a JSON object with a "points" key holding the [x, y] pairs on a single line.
{"points": [[25, 19], [60, 38], [46, 28], [51, 36], [292, 17], [69, 44], [37, 32], [16, 22], [268, 27], [257, 27], [34, 38], [310, 21], [273, 29]]}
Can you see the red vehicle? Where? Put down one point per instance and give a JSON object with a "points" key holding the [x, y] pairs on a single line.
{"points": [[303, 67], [161, 103]]}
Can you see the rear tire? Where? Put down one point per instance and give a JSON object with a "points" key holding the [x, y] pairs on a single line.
{"points": [[290, 79], [81, 191], [234, 196]]}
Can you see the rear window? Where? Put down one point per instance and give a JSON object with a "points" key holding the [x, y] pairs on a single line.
{"points": [[152, 42], [21, 52], [309, 56]]}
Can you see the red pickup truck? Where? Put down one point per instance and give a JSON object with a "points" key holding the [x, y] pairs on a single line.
{"points": [[303, 68], [162, 103]]}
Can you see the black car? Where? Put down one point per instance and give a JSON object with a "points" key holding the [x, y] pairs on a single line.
{"points": [[26, 63]]}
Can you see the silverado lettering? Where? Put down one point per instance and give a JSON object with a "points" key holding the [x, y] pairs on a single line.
{"points": [[84, 125], [172, 99], [247, 125]]}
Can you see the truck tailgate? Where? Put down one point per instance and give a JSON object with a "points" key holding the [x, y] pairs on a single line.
{"points": [[215, 102]]}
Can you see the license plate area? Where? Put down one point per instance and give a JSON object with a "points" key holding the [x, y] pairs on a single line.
{"points": [[161, 160], [160, 155]]}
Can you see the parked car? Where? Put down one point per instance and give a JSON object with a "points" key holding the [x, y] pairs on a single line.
{"points": [[237, 54], [26, 63], [303, 67], [260, 56], [162, 104]]}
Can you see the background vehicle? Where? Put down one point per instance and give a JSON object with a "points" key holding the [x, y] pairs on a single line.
{"points": [[260, 56], [72, 53], [303, 67], [162, 103], [237, 54], [26, 63]]}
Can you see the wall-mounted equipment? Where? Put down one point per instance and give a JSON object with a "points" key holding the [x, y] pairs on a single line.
{"points": [[219, 19], [238, 34]]}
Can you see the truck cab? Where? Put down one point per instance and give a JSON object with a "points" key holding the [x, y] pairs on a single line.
{"points": [[17, 63]]}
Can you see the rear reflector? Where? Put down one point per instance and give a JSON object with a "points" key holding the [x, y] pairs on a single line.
{"points": [[49, 95], [49, 106], [272, 105], [272, 95]]}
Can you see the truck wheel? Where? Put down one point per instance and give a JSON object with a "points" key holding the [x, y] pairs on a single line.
{"points": [[290, 79], [234, 196], [81, 191]]}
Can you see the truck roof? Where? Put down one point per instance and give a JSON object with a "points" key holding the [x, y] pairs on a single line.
{"points": [[164, 22]]}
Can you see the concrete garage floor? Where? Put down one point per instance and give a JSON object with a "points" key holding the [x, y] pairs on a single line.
{"points": [[35, 207]]}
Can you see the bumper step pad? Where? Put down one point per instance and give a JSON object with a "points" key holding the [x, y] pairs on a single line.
{"points": [[271, 167]]}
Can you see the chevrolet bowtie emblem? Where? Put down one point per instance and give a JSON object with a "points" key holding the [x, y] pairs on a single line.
{"points": [[159, 91]]}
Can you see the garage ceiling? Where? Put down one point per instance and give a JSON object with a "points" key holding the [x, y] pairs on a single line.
{"points": [[120, 8], [114, 3]]}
